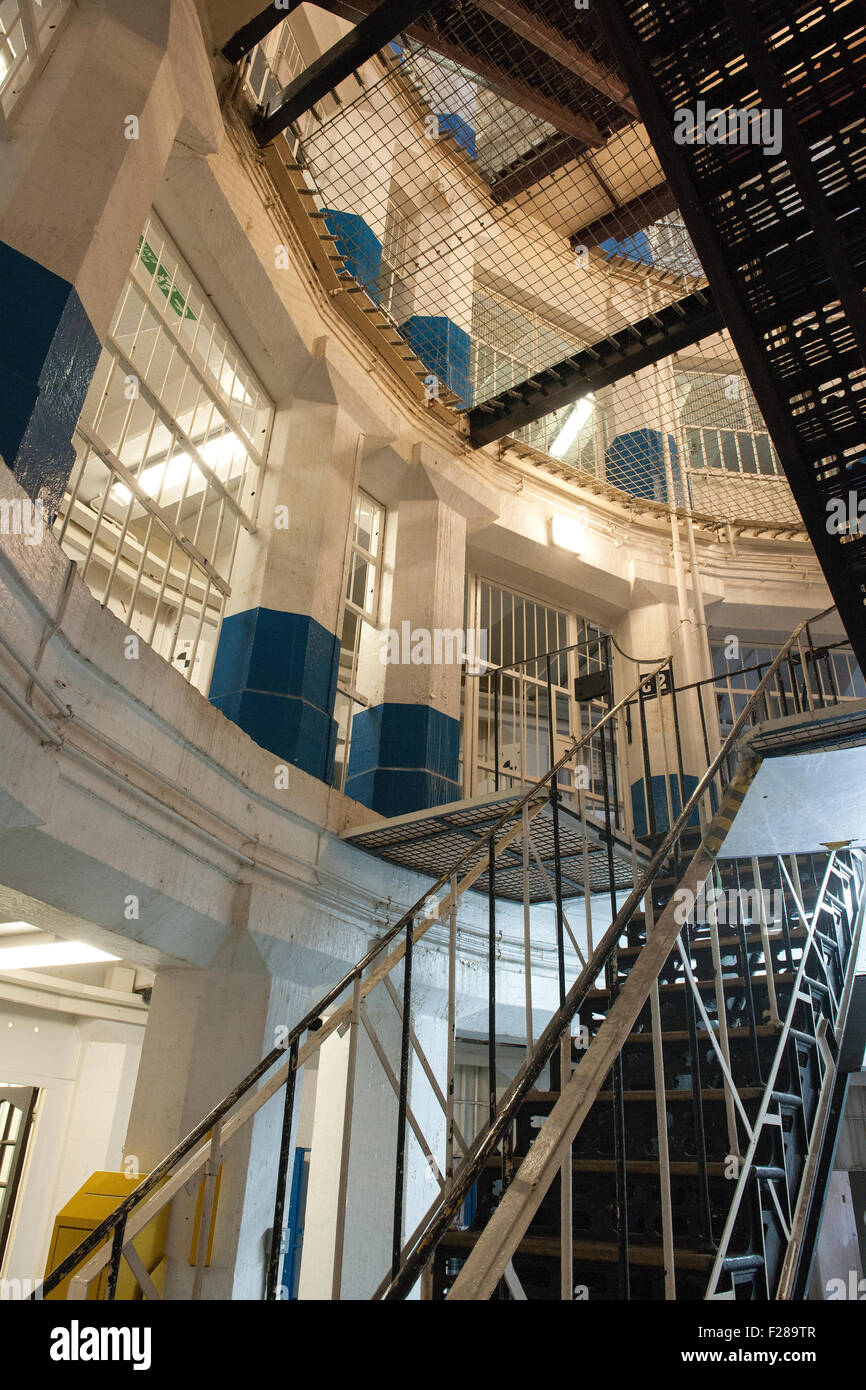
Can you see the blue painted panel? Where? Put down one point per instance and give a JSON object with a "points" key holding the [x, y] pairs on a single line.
{"points": [[443, 348], [48, 354], [636, 247], [660, 802], [462, 131], [275, 676], [359, 246], [403, 758], [295, 1225], [635, 462]]}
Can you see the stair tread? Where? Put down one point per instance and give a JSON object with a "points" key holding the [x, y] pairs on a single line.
{"points": [[783, 977], [708, 1093], [728, 942], [764, 1030], [603, 1252]]}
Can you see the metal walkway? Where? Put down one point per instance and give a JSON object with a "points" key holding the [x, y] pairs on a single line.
{"points": [[430, 841]]}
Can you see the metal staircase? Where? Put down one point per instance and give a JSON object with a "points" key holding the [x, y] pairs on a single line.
{"points": [[713, 1172], [781, 233], [678, 1146]]}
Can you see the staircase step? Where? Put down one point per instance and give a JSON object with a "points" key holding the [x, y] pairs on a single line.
{"points": [[781, 977], [709, 1094], [591, 1251], [726, 943]]}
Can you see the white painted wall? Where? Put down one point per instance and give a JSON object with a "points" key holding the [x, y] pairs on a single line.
{"points": [[86, 1070]]}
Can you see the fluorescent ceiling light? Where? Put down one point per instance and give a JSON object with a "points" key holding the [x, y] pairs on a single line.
{"points": [[567, 533], [567, 435], [220, 454], [50, 953]]}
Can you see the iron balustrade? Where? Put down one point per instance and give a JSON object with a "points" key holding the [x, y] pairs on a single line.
{"points": [[491, 851]]}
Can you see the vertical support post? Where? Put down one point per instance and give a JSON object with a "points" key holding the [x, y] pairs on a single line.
{"points": [[496, 675], [452, 1010], [212, 1167], [282, 1173], [769, 962], [117, 1243], [348, 1107], [557, 857], [527, 934], [491, 983], [403, 1102], [706, 1219], [662, 1130], [566, 1253]]}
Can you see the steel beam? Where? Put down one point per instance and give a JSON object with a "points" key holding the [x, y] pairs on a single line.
{"points": [[539, 162], [374, 31], [624, 219], [258, 28], [671, 328], [498, 79], [530, 25]]}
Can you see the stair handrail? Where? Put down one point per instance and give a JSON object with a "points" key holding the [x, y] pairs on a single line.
{"points": [[312, 1020], [441, 1214]]}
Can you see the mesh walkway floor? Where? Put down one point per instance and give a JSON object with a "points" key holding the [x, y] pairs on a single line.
{"points": [[431, 842]]}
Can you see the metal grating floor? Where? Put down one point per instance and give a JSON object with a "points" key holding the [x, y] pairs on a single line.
{"points": [[431, 842]]}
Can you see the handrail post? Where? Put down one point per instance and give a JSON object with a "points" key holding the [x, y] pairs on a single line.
{"points": [[282, 1171], [117, 1244], [399, 1172]]}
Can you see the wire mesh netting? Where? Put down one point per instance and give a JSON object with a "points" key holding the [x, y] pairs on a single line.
{"points": [[486, 182]]}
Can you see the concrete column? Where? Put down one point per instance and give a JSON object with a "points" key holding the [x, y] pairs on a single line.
{"points": [[207, 1028], [275, 672], [655, 630], [372, 1150], [77, 178], [404, 751], [635, 459]]}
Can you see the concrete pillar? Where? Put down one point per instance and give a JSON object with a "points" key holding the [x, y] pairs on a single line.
{"points": [[404, 751], [77, 179], [655, 630], [206, 1030], [635, 458], [372, 1149], [275, 672]]}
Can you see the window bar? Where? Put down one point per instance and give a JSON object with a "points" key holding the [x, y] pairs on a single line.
{"points": [[126, 521], [795, 692]]}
